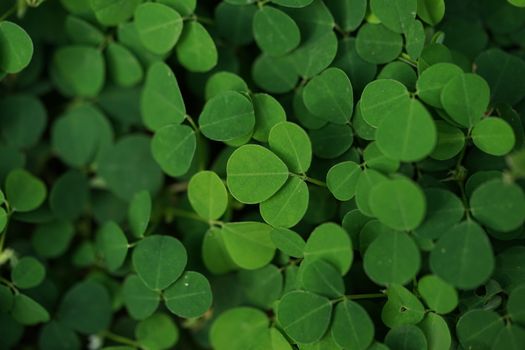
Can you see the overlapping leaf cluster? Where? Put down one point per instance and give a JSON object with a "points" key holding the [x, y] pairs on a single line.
{"points": [[262, 174]]}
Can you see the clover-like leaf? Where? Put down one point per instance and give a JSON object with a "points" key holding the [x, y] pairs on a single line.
{"points": [[159, 261], [158, 27], [254, 174]]}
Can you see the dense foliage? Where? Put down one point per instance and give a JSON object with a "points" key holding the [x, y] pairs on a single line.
{"points": [[262, 174]]}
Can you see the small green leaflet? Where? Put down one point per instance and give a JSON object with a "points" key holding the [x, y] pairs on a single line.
{"points": [[208, 195], [173, 148], [304, 316], [227, 116], [190, 296], [159, 261], [158, 26], [161, 100], [248, 243], [16, 47], [254, 174]]}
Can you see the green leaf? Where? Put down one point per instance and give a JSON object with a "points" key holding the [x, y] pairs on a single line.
{"points": [[510, 337], [225, 335], [497, 66], [293, 3], [444, 210], [24, 191], [275, 32], [227, 116], [254, 174], [161, 101], [225, 81], [407, 337], [397, 15], [342, 180], [113, 12], [352, 328], [393, 257], [139, 213], [375, 159], [248, 243], [16, 47], [159, 261], [78, 71], [59, 232], [238, 32], [112, 244], [380, 99], [377, 44], [124, 68], [82, 32], [262, 287], [331, 243], [28, 273], [348, 13], [331, 140], [159, 331], [288, 206], [56, 336], [268, 113], [477, 329], [408, 134], [23, 120], [3, 220], [159, 27], [214, 253], [173, 148], [450, 141], [79, 135], [190, 296], [275, 74], [494, 136], [399, 204], [436, 331], [498, 205], [27, 311], [329, 96], [291, 143], [196, 50], [320, 277], [463, 256], [466, 98], [402, 307], [208, 195], [368, 180], [431, 11], [86, 308], [130, 155], [515, 304], [315, 53], [140, 301], [437, 294], [304, 316], [432, 81], [69, 195], [288, 242]]}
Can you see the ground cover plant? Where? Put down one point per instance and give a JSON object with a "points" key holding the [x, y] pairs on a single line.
{"points": [[262, 174]]}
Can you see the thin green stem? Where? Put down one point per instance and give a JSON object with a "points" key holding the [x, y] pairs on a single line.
{"points": [[365, 296], [407, 59], [192, 123], [120, 339], [315, 181], [9, 12], [192, 216], [9, 284]]}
